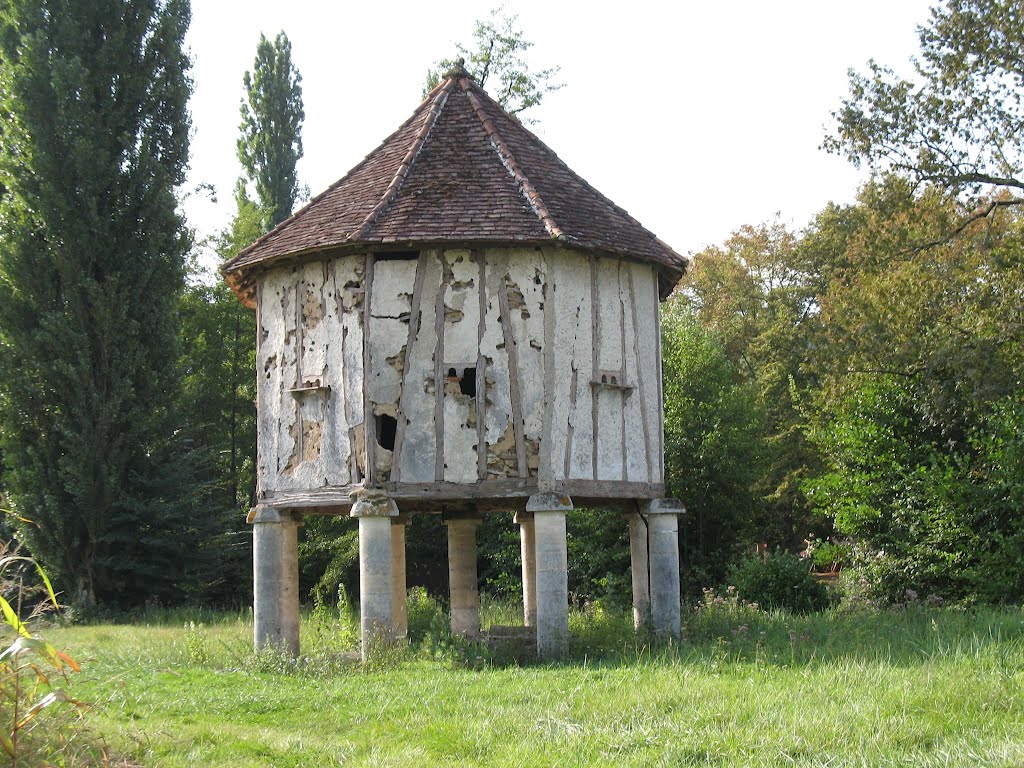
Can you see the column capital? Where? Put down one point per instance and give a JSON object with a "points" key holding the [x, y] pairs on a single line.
{"points": [[262, 513], [522, 517], [662, 507], [370, 502], [549, 502]]}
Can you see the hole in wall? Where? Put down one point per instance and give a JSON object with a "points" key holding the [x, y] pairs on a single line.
{"points": [[386, 428], [468, 382]]}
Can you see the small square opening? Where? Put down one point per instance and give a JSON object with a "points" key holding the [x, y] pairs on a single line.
{"points": [[386, 428]]}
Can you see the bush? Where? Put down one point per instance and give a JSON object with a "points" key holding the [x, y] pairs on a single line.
{"points": [[426, 617], [780, 580]]}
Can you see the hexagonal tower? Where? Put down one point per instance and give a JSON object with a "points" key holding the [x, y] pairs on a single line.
{"points": [[460, 325]]}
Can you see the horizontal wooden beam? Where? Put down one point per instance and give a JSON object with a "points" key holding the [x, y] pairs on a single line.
{"points": [[487, 494]]}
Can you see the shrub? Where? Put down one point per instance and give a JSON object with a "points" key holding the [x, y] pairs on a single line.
{"points": [[425, 616], [780, 580]]}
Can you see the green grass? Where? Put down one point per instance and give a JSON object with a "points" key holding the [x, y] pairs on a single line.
{"points": [[921, 687]]}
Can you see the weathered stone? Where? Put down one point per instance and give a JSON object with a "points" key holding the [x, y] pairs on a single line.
{"points": [[663, 550], [462, 576], [275, 554]]}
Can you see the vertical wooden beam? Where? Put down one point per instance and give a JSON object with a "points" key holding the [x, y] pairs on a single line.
{"points": [[513, 375], [300, 342], [260, 384], [414, 329], [595, 342], [570, 429], [369, 427], [481, 371], [622, 378], [343, 373], [546, 471], [439, 376], [661, 380], [640, 378]]}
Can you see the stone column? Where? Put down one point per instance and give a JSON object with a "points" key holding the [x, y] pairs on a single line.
{"points": [[462, 583], [374, 510], [399, 615], [552, 572], [663, 550], [640, 567], [528, 556], [275, 568]]}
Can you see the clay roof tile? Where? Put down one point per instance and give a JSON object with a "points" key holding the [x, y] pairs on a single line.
{"points": [[459, 170]]}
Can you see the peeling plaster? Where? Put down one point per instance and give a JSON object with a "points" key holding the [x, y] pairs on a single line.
{"points": [[312, 386]]}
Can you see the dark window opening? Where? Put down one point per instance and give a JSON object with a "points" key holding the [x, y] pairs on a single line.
{"points": [[396, 255], [468, 382], [452, 374], [386, 427]]}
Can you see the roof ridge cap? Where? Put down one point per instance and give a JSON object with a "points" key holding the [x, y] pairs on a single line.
{"points": [[509, 161], [402, 172]]}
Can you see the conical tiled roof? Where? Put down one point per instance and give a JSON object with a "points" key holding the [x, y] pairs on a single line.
{"points": [[461, 170]]}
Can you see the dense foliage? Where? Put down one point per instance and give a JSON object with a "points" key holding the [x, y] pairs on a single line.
{"points": [[94, 143], [857, 380]]}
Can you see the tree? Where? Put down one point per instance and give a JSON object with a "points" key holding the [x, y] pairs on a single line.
{"points": [[959, 123], [271, 128], [713, 448], [757, 296], [218, 333], [94, 143], [498, 57], [920, 359]]}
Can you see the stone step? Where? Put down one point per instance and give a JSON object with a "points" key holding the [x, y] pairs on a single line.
{"points": [[520, 641]]}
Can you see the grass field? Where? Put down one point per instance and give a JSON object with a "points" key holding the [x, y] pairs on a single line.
{"points": [[920, 687]]}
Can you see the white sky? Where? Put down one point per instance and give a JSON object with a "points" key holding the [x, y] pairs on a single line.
{"points": [[696, 117]]}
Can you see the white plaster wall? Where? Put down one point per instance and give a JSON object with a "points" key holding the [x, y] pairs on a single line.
{"points": [[563, 335], [309, 341]]}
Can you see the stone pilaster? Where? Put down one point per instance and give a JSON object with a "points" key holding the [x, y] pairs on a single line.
{"points": [[462, 575], [662, 517], [275, 560], [528, 556], [640, 569], [375, 510], [399, 612], [552, 572]]}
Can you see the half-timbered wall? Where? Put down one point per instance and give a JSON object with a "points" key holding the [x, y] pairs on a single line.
{"points": [[480, 366]]}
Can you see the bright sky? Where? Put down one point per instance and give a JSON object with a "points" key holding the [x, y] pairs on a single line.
{"points": [[696, 117]]}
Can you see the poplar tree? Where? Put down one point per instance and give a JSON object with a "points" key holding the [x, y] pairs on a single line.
{"points": [[270, 144], [93, 144]]}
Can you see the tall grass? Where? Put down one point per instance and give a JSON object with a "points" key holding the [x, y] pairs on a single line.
{"points": [[915, 687]]}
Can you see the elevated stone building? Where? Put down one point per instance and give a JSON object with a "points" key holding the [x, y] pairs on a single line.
{"points": [[461, 325]]}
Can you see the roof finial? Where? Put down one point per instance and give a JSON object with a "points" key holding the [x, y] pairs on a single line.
{"points": [[458, 70]]}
